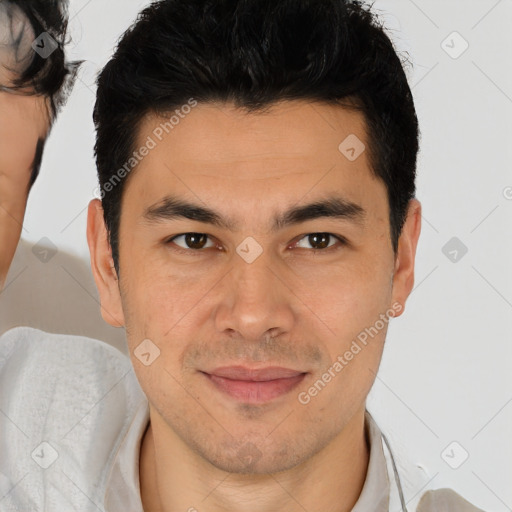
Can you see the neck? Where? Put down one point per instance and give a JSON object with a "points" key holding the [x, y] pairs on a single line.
{"points": [[178, 479]]}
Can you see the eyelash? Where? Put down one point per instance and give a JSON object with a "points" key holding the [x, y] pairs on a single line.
{"points": [[342, 242]]}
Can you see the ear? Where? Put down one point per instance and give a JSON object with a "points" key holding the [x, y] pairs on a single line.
{"points": [[403, 277], [102, 266]]}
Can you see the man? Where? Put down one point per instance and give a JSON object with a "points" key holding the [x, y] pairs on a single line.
{"points": [[34, 82], [258, 221]]}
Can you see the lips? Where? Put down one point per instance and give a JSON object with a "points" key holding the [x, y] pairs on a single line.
{"points": [[254, 386], [255, 375]]}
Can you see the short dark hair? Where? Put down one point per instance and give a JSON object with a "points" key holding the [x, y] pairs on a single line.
{"points": [[255, 53]]}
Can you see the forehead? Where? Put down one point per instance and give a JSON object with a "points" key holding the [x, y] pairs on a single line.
{"points": [[286, 153], [211, 132]]}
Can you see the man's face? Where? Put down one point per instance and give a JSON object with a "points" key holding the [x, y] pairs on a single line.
{"points": [[24, 125], [256, 295]]}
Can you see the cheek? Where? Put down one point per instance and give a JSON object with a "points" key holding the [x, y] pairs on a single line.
{"points": [[358, 317], [351, 296], [159, 301], [20, 145], [17, 154]]}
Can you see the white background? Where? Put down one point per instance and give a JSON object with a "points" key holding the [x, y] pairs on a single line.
{"points": [[445, 375]]}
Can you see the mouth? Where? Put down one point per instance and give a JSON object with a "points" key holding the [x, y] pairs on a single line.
{"points": [[254, 386]]}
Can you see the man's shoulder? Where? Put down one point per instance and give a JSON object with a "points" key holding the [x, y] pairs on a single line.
{"points": [[67, 402], [60, 374], [445, 500]]}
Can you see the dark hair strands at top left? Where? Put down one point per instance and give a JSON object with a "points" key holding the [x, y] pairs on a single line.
{"points": [[53, 76]]}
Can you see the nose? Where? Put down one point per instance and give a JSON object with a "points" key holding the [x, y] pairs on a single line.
{"points": [[254, 301]]}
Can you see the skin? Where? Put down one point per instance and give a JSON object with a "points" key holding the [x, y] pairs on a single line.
{"points": [[208, 307], [25, 120]]}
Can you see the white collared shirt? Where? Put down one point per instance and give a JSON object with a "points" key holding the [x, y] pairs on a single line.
{"points": [[72, 416]]}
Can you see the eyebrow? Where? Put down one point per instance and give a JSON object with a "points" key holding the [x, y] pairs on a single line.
{"points": [[172, 208]]}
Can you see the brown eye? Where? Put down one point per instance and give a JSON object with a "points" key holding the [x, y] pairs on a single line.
{"points": [[319, 241], [193, 241]]}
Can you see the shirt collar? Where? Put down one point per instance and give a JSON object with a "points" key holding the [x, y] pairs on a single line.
{"points": [[375, 493]]}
